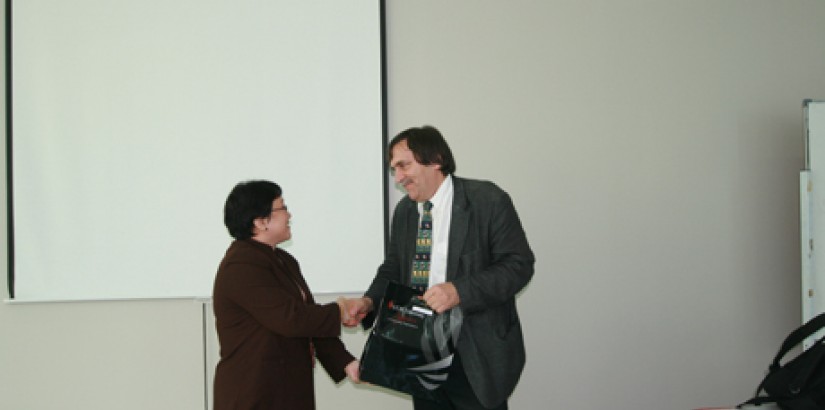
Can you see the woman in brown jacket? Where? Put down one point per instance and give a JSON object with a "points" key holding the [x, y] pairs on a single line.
{"points": [[269, 327]]}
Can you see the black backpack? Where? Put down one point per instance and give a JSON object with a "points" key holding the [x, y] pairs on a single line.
{"points": [[798, 384]]}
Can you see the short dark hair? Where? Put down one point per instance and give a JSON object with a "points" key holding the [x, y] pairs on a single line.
{"points": [[428, 147], [248, 201]]}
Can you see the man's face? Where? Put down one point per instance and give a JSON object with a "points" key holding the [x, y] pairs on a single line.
{"points": [[420, 181]]}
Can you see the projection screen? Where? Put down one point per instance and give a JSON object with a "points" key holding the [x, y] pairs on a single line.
{"points": [[132, 120]]}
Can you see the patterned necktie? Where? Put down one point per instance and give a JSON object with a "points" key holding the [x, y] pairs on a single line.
{"points": [[423, 248]]}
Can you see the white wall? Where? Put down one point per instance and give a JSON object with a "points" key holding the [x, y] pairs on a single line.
{"points": [[652, 149], [101, 355]]}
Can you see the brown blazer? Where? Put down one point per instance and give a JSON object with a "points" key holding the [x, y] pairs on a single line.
{"points": [[268, 326]]}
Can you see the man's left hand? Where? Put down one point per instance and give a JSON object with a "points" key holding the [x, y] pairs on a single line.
{"points": [[441, 297]]}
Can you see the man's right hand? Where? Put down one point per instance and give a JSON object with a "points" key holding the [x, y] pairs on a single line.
{"points": [[354, 310]]}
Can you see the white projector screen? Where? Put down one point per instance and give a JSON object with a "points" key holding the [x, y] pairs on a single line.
{"points": [[132, 121]]}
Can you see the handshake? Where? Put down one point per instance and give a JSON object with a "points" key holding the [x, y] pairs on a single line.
{"points": [[353, 310], [440, 298]]}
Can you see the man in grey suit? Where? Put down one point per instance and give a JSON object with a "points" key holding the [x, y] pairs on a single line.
{"points": [[480, 260]]}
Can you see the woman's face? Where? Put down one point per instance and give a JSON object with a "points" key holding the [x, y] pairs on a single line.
{"points": [[274, 229]]}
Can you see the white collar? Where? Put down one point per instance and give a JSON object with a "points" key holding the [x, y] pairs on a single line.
{"points": [[443, 194]]}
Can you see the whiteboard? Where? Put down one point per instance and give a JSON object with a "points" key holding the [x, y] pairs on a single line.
{"points": [[812, 214], [132, 121]]}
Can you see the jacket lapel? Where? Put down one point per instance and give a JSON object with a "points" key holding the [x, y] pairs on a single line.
{"points": [[458, 227]]}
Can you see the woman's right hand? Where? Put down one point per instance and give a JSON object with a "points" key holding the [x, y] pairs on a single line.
{"points": [[343, 307]]}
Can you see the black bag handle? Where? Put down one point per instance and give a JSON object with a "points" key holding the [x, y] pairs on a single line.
{"points": [[797, 336]]}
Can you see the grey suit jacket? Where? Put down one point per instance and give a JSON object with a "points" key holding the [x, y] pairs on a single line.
{"points": [[489, 261]]}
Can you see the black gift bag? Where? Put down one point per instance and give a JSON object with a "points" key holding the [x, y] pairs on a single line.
{"points": [[410, 348]]}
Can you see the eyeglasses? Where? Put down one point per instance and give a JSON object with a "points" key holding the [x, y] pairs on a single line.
{"points": [[283, 208]]}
